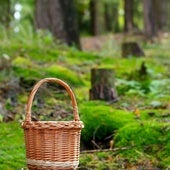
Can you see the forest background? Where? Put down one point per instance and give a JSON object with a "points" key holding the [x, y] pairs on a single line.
{"points": [[67, 39]]}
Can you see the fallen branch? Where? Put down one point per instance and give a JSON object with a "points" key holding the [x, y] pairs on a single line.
{"points": [[95, 144], [106, 150]]}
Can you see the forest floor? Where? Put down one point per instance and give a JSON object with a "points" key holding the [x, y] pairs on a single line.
{"points": [[97, 44], [140, 119]]}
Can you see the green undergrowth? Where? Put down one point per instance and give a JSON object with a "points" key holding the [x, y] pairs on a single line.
{"points": [[138, 120]]}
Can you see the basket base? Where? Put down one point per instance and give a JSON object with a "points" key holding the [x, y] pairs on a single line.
{"points": [[51, 165], [30, 167]]}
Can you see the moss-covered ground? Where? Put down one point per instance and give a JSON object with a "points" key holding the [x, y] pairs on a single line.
{"points": [[138, 121]]}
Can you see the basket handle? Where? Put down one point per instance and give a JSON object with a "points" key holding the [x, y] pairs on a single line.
{"points": [[45, 80]]}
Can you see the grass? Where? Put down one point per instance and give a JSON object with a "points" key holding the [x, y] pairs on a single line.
{"points": [[12, 149]]}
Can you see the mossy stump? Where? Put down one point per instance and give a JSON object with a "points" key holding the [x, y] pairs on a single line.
{"points": [[132, 49], [103, 85]]}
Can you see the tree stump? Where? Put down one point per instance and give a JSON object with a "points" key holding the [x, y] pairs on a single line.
{"points": [[132, 49], [103, 85]]}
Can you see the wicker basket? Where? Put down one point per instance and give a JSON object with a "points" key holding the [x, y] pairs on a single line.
{"points": [[50, 144]]}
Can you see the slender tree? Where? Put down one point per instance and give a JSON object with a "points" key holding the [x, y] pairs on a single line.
{"points": [[97, 23], [111, 15], [161, 12], [128, 18], [107, 16], [150, 27], [58, 16], [93, 17]]}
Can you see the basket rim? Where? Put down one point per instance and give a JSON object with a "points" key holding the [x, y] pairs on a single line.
{"points": [[53, 124], [53, 121]]}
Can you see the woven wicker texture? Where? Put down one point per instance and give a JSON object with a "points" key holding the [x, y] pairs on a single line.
{"points": [[52, 145]]}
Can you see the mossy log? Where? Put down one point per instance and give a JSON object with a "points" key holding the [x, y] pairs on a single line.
{"points": [[103, 85], [132, 49]]}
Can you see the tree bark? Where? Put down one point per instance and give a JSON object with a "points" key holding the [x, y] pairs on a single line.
{"points": [[161, 14], [111, 16], [41, 14], [130, 49], [150, 27], [103, 85], [97, 17], [60, 18], [128, 17], [115, 17], [93, 16], [108, 17]]}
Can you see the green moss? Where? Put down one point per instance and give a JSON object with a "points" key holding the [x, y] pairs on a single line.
{"points": [[33, 56], [149, 137], [21, 61], [138, 134], [65, 74], [12, 150], [24, 67], [27, 73], [102, 120]]}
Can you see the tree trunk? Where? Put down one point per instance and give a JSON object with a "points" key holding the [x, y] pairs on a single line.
{"points": [[5, 12], [103, 85], [161, 14], [128, 8], [115, 17], [108, 17], [111, 16], [60, 18], [92, 8], [131, 49], [41, 14], [97, 17], [157, 14], [150, 28]]}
